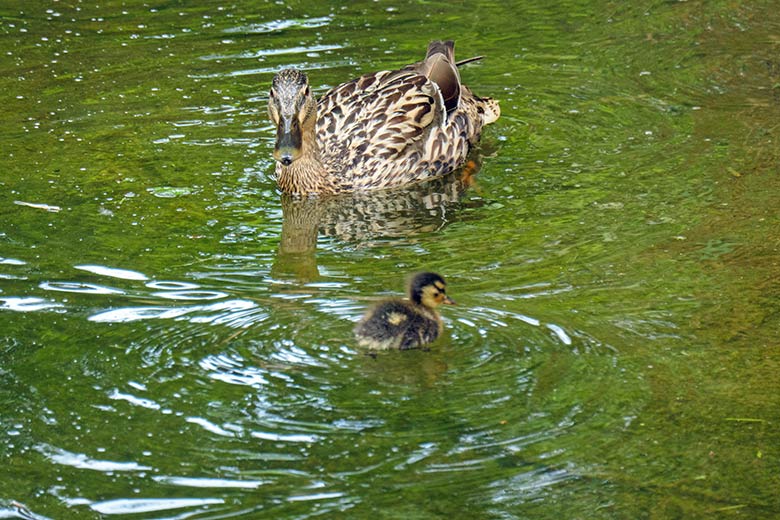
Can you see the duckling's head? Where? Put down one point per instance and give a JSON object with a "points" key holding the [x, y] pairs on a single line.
{"points": [[430, 290], [292, 109]]}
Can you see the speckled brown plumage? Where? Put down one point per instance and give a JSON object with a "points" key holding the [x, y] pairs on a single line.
{"points": [[381, 130]]}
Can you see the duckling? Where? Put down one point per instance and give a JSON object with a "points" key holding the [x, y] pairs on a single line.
{"points": [[382, 130], [404, 324]]}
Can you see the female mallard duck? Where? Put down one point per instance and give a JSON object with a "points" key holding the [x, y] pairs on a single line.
{"points": [[381, 130], [405, 324]]}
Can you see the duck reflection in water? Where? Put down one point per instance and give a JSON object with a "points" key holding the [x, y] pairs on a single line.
{"points": [[360, 218]]}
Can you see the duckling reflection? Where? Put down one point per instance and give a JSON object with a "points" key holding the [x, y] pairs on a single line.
{"points": [[405, 324], [360, 218]]}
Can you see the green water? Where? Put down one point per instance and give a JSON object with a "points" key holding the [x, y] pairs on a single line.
{"points": [[175, 337]]}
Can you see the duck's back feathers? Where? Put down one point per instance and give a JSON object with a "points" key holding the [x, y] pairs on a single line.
{"points": [[389, 113], [396, 127], [397, 324]]}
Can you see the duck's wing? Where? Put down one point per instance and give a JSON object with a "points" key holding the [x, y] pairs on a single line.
{"points": [[424, 330], [392, 128], [388, 111], [386, 326], [396, 324], [377, 115]]}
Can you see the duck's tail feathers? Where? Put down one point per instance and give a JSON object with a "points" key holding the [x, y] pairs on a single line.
{"points": [[440, 67], [467, 60], [446, 47]]}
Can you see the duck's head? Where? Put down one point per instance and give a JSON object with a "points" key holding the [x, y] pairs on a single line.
{"points": [[292, 109], [430, 290]]}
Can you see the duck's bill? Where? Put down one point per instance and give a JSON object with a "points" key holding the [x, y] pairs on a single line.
{"points": [[288, 141]]}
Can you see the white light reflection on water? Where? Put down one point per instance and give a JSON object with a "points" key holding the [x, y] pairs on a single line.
{"points": [[137, 313], [46, 207], [285, 437], [190, 295], [228, 370], [81, 461], [166, 285], [147, 505], [11, 261], [315, 496], [211, 427], [209, 482], [28, 304], [235, 313], [272, 52], [482, 314], [137, 401], [560, 333], [113, 272], [278, 25], [527, 486], [78, 287]]}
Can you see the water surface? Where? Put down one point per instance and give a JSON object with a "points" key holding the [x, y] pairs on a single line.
{"points": [[175, 336]]}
